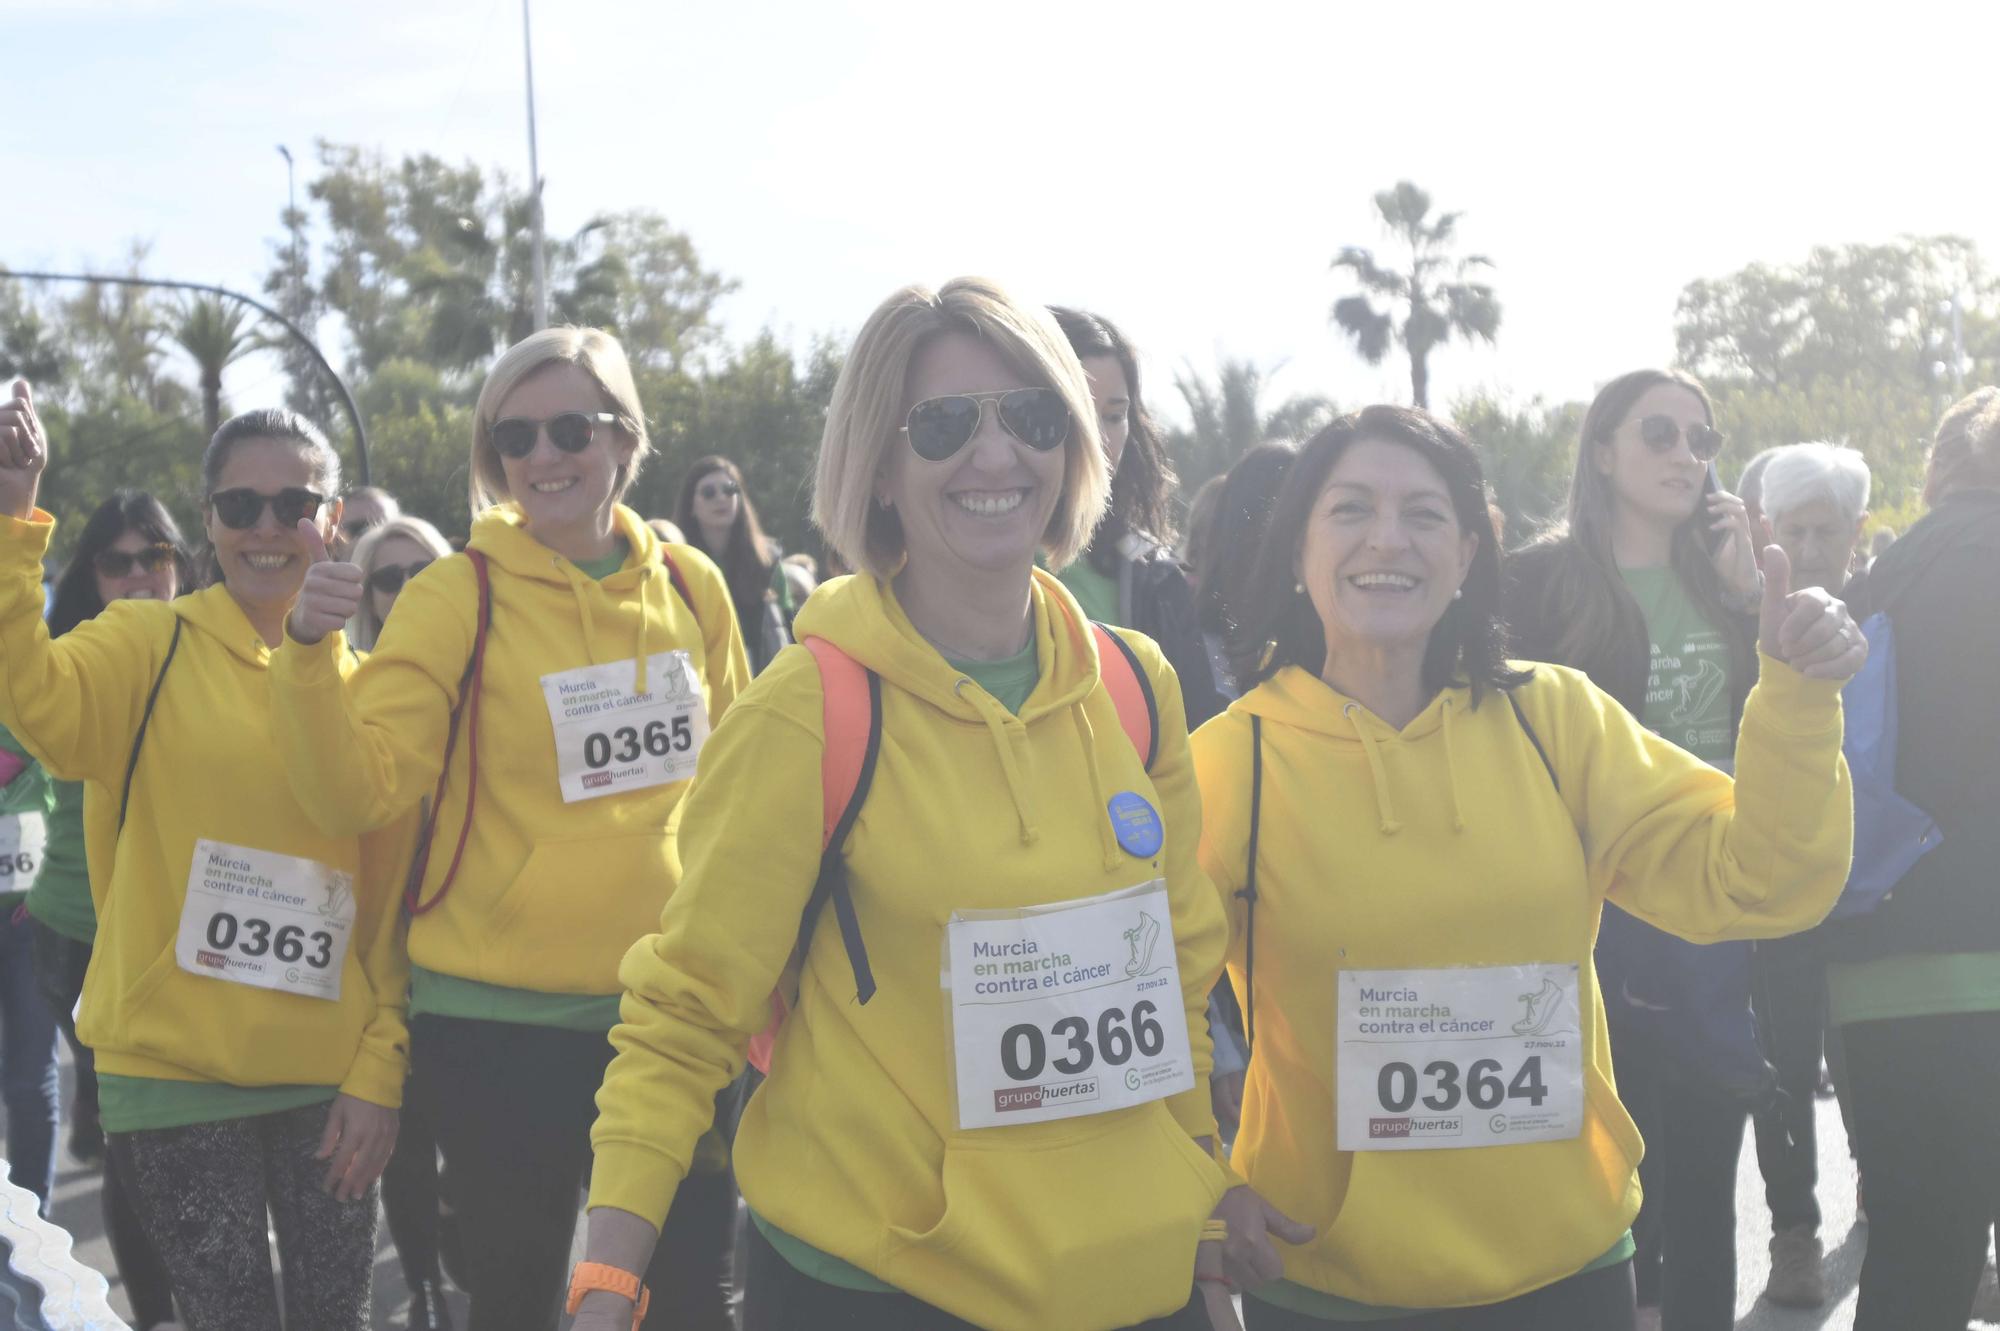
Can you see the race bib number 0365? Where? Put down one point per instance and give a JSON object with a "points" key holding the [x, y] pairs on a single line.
{"points": [[1067, 1011], [1469, 1056], [611, 739], [259, 918], [24, 839]]}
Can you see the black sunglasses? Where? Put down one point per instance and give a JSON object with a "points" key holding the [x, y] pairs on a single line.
{"points": [[1661, 433], [726, 490], [355, 527], [940, 426], [571, 431], [240, 509], [120, 563], [389, 579]]}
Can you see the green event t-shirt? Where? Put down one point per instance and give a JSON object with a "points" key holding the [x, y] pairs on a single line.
{"points": [[1687, 682], [1009, 681], [1921, 984], [1096, 593], [434, 993], [1321, 1306], [140, 1104], [61, 896]]}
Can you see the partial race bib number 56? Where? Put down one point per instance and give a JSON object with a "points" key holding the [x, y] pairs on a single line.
{"points": [[24, 840]]}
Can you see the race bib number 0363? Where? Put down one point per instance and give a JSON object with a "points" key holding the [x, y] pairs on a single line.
{"points": [[24, 840], [1068, 1010], [1469, 1056], [611, 739], [259, 918]]}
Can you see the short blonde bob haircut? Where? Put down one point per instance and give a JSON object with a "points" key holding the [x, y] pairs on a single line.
{"points": [[871, 402], [365, 629], [591, 350]]}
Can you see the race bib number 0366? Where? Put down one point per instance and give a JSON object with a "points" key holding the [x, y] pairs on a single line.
{"points": [[24, 839], [611, 739], [1067, 1011], [1469, 1056], [259, 918]]}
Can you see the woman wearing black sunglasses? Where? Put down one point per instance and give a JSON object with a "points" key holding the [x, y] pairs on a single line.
{"points": [[720, 521], [1651, 588], [548, 694], [245, 1000], [389, 555]]}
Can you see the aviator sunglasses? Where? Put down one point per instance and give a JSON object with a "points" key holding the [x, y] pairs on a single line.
{"points": [[1661, 433], [120, 563], [239, 509], [570, 431], [939, 426], [389, 579]]}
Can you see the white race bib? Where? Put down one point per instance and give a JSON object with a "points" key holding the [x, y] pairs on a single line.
{"points": [[1062, 1011], [260, 918], [610, 739], [1470, 1056], [24, 840]]}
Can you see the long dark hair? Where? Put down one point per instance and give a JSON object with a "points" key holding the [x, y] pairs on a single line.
{"points": [[748, 555], [126, 510], [1142, 489], [1602, 628], [1228, 556], [275, 423], [1278, 627]]}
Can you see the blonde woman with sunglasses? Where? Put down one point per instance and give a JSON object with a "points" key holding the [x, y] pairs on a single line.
{"points": [[389, 555], [548, 693], [245, 998]]}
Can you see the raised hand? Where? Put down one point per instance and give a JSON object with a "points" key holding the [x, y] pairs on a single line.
{"points": [[24, 452], [331, 593], [1808, 630], [1735, 556]]}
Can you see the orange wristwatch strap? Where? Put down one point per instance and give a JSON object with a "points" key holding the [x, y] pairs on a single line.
{"points": [[590, 1276]]}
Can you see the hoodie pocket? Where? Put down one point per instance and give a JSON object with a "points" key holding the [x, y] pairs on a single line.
{"points": [[574, 909], [1061, 1225]]}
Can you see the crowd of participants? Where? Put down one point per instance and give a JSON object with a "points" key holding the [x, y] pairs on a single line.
{"points": [[1313, 918]]}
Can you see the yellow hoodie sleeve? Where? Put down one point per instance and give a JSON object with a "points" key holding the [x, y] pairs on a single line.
{"points": [[1682, 846], [1200, 931], [363, 751], [382, 1062], [73, 703], [698, 990], [727, 663]]}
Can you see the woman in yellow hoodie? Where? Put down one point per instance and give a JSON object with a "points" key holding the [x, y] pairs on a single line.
{"points": [[1415, 838], [245, 1000], [565, 732], [1028, 1149]]}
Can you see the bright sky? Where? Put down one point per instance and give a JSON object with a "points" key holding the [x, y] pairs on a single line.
{"points": [[1188, 169]]}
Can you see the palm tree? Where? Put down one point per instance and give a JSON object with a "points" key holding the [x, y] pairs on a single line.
{"points": [[1432, 296], [211, 330], [1230, 418]]}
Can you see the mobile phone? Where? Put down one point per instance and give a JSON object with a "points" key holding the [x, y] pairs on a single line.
{"points": [[1711, 483]]}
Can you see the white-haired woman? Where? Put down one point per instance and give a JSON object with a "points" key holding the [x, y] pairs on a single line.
{"points": [[561, 677], [1034, 1151], [1815, 498]]}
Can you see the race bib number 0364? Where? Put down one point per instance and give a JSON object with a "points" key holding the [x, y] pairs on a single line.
{"points": [[260, 918], [611, 739], [1067, 1011], [1469, 1056]]}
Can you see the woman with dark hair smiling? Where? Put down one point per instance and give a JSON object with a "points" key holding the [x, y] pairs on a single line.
{"points": [[1414, 837], [715, 512]]}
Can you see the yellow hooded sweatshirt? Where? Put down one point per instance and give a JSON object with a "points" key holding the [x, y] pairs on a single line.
{"points": [[1448, 845], [852, 1145], [209, 769], [549, 894]]}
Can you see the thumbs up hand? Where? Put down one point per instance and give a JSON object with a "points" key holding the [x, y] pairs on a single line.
{"points": [[331, 593], [1808, 630], [24, 452]]}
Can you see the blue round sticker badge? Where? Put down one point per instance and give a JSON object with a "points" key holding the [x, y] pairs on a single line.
{"points": [[1136, 823]]}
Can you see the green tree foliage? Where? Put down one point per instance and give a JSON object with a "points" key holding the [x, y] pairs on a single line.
{"points": [[1851, 345], [1228, 416], [1527, 453], [214, 334], [1422, 304]]}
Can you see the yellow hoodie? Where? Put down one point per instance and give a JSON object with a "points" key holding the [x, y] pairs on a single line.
{"points": [[852, 1145], [209, 769], [1447, 845], [549, 894]]}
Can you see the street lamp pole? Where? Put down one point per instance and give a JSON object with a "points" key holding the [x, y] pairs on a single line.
{"points": [[291, 209], [534, 179]]}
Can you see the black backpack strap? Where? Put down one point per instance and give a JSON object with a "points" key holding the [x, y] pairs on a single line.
{"points": [[1535, 740], [145, 720], [832, 881], [1249, 892]]}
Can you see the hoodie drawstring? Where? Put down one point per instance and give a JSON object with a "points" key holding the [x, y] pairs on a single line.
{"points": [[645, 585], [577, 589], [995, 716], [1451, 770], [1385, 807]]}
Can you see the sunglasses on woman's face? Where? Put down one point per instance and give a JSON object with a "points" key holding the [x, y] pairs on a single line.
{"points": [[1661, 433], [239, 510], [389, 578], [939, 426], [355, 528], [570, 431], [120, 563], [711, 493]]}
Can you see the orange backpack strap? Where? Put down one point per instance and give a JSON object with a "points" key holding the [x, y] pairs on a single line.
{"points": [[680, 583], [1131, 692]]}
